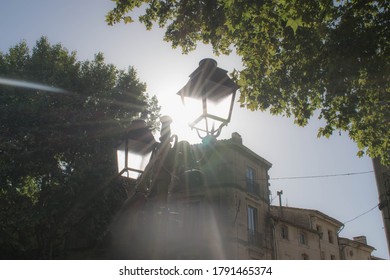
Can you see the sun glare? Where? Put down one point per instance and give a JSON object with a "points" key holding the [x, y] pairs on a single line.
{"points": [[188, 115], [181, 116]]}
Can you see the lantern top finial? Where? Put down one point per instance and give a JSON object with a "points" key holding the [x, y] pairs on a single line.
{"points": [[208, 62]]}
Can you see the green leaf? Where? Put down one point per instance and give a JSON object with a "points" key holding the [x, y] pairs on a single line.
{"points": [[334, 60], [128, 19], [294, 23]]}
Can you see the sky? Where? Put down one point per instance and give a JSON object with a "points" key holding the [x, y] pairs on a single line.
{"points": [[79, 25]]}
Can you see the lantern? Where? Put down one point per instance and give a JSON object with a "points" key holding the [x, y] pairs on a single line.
{"points": [[135, 151], [209, 98]]}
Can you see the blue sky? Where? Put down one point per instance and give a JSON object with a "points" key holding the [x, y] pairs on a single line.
{"points": [[293, 151]]}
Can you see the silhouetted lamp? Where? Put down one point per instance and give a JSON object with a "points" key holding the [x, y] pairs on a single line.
{"points": [[209, 97], [135, 151]]}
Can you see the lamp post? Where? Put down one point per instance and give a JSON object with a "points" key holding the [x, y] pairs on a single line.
{"points": [[161, 169], [209, 96]]}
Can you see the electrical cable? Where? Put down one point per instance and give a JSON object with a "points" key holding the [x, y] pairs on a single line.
{"points": [[361, 214], [320, 176], [309, 177]]}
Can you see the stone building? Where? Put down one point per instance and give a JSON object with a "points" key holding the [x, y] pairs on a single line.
{"points": [[237, 179], [382, 176], [304, 234], [210, 201], [356, 249]]}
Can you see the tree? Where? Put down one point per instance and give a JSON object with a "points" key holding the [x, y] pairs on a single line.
{"points": [[57, 146], [300, 57]]}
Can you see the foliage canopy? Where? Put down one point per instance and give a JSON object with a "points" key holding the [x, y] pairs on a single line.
{"points": [[57, 147], [300, 57]]}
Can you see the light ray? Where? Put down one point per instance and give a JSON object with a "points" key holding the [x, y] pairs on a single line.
{"points": [[30, 85]]}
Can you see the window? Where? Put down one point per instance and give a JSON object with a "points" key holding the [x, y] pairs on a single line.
{"points": [[253, 236], [320, 233], [284, 232], [250, 179], [252, 217], [330, 236], [302, 238]]}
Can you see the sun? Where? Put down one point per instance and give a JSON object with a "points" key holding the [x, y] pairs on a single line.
{"points": [[181, 118]]}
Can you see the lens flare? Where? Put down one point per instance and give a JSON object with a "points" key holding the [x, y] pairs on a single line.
{"points": [[30, 85]]}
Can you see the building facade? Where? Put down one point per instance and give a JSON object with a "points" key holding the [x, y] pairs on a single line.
{"points": [[304, 234], [356, 249], [208, 202], [238, 181], [213, 202], [382, 176]]}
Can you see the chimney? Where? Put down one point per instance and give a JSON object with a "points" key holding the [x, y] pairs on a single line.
{"points": [[361, 239], [236, 137]]}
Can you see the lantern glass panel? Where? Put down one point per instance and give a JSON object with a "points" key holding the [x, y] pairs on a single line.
{"points": [[138, 156], [193, 109], [219, 108], [209, 116]]}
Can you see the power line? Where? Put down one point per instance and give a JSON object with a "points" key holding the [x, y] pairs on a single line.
{"points": [[361, 214], [321, 176]]}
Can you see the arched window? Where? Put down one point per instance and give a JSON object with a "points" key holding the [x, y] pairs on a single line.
{"points": [[302, 238]]}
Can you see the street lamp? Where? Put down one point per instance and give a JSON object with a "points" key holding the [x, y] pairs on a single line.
{"points": [[166, 173], [208, 96], [134, 153], [211, 92]]}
